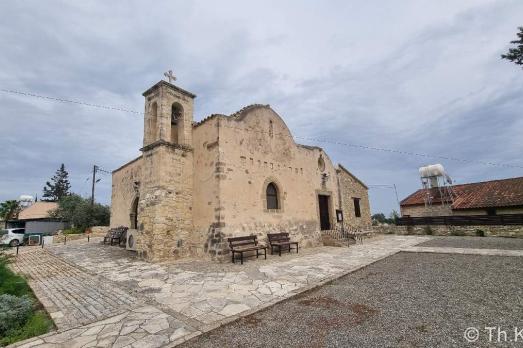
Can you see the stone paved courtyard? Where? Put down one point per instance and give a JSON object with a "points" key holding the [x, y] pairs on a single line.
{"points": [[194, 296], [103, 296], [406, 300]]}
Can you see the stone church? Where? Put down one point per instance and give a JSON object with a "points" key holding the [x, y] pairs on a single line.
{"points": [[197, 183]]}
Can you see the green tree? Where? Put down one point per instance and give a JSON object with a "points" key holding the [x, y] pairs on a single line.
{"points": [[394, 216], [379, 218], [80, 213], [59, 185], [516, 54], [9, 210]]}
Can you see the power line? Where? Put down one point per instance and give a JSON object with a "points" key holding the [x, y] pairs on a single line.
{"points": [[321, 140], [68, 101]]}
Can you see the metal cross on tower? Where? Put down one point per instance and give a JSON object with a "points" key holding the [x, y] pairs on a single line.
{"points": [[170, 76]]}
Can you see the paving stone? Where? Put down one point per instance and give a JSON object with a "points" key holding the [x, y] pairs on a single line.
{"points": [[106, 289], [81, 341], [123, 341], [233, 309], [93, 330], [151, 341], [179, 333], [155, 325]]}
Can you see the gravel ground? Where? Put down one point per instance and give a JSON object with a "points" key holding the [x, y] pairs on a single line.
{"points": [[476, 243], [406, 300]]}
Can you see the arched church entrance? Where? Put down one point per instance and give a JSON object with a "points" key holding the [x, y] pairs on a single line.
{"points": [[134, 213]]}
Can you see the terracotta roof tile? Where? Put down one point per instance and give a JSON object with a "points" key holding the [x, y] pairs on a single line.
{"points": [[39, 210], [495, 193]]}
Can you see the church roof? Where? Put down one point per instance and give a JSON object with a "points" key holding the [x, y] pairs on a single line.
{"points": [[169, 85], [243, 111], [238, 115]]}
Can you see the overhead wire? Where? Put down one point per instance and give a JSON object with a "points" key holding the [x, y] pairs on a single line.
{"points": [[320, 140]]}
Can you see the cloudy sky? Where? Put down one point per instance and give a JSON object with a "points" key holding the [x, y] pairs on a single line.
{"points": [[417, 76]]}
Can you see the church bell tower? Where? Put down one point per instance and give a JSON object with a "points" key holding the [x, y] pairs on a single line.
{"points": [[168, 114], [165, 204]]}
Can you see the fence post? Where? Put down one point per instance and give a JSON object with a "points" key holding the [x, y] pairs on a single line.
{"points": [[87, 238], [43, 241], [65, 238], [17, 249]]}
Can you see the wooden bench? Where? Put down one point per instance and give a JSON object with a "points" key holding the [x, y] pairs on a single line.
{"points": [[280, 240], [240, 245], [115, 235]]}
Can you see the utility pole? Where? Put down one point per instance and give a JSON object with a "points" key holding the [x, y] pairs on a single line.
{"points": [[397, 198], [95, 169]]}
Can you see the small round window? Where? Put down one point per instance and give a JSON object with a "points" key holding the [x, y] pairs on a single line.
{"points": [[321, 164]]}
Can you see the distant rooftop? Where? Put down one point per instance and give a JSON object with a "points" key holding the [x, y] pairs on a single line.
{"points": [[486, 194], [39, 210]]}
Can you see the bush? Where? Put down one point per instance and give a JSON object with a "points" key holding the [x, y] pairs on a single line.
{"points": [[18, 321], [428, 230], [74, 230], [14, 312], [37, 324], [480, 233]]}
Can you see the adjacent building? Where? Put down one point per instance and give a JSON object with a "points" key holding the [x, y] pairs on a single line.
{"points": [[35, 219], [197, 183], [494, 197]]}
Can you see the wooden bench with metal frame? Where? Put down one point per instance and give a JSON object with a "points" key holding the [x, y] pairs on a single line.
{"points": [[280, 240], [240, 245], [115, 235]]}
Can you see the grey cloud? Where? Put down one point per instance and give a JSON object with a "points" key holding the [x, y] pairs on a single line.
{"points": [[418, 76]]}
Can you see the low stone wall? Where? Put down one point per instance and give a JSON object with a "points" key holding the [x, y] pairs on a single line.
{"points": [[442, 230], [99, 231], [60, 238]]}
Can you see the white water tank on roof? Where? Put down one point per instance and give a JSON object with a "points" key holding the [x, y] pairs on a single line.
{"points": [[432, 170], [26, 200]]}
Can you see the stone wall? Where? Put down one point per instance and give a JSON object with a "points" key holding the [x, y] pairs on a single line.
{"points": [[165, 206], [350, 188], [442, 230], [197, 184], [126, 181], [256, 149], [421, 210], [438, 210], [206, 196], [98, 230]]}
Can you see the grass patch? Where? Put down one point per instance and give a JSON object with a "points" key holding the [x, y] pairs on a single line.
{"points": [[11, 283], [19, 323], [37, 324]]}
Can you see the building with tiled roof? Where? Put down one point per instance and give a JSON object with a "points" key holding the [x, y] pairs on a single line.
{"points": [[494, 197], [37, 218], [38, 210]]}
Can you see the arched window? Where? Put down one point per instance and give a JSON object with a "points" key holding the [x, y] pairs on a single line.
{"points": [[176, 118], [272, 196]]}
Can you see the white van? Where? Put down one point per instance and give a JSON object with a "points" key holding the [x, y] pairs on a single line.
{"points": [[12, 236]]}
